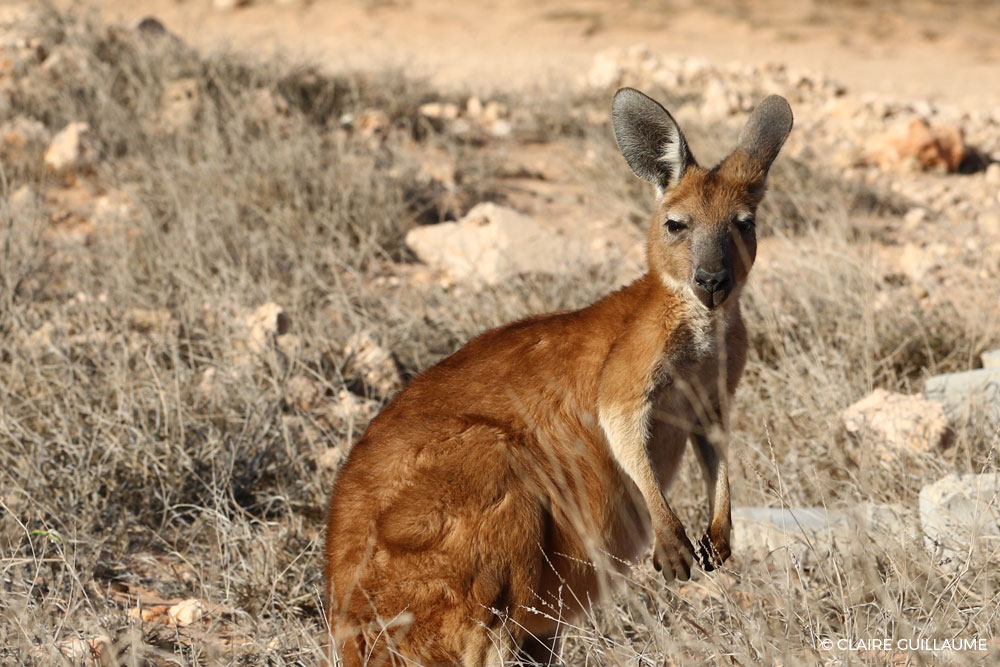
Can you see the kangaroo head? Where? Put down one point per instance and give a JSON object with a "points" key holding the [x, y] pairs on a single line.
{"points": [[703, 235]]}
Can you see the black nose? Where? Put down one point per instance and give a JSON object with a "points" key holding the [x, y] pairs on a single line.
{"points": [[711, 282]]}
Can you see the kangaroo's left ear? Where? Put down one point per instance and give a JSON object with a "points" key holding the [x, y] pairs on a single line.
{"points": [[766, 130], [650, 139]]}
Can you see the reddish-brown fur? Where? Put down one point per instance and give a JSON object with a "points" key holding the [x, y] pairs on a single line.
{"points": [[494, 493]]}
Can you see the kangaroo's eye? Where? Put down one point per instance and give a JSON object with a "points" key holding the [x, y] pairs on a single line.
{"points": [[745, 224], [675, 226]]}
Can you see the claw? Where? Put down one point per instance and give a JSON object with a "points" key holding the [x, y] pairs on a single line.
{"points": [[707, 556], [710, 555]]}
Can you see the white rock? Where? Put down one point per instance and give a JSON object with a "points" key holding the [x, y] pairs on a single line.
{"points": [[86, 651], [72, 149], [24, 202], [348, 412], [972, 397], [992, 174], [499, 128], [474, 107], [667, 78], [492, 244], [606, 70], [187, 612], [694, 67], [438, 169], [114, 209], [367, 360], [915, 215], [181, 104], [442, 110], [916, 262], [265, 324], [960, 517], [224, 5], [809, 536], [302, 393], [372, 123], [330, 459], [896, 423], [493, 111], [290, 345], [717, 103]]}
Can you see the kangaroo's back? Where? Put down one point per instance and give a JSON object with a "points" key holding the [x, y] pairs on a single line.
{"points": [[449, 481]]}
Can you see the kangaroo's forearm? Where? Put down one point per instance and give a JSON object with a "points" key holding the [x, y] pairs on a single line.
{"points": [[711, 452]]}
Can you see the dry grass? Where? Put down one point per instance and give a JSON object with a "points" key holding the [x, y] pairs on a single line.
{"points": [[117, 471]]}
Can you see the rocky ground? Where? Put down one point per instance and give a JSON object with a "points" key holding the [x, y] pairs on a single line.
{"points": [[214, 270]]}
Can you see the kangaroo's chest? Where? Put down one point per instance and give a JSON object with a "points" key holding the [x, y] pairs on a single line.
{"points": [[685, 398], [682, 390]]}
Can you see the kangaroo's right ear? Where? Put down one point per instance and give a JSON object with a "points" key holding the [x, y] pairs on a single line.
{"points": [[650, 139]]}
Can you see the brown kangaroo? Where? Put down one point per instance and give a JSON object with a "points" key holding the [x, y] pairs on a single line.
{"points": [[494, 496]]}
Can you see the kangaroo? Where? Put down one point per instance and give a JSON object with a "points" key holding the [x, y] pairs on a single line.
{"points": [[490, 499]]}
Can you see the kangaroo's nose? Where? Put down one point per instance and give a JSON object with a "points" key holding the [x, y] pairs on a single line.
{"points": [[711, 282]]}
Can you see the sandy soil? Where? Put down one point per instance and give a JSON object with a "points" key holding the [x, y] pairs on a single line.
{"points": [[912, 49]]}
